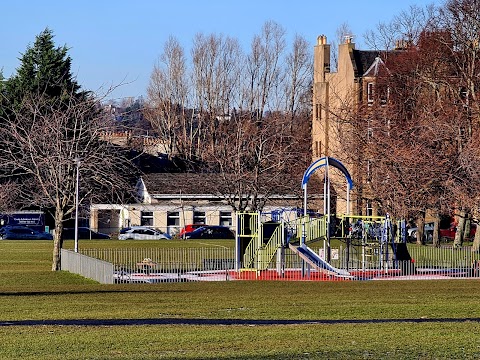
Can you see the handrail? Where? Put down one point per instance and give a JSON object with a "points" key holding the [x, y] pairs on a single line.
{"points": [[249, 255], [251, 250], [316, 229], [269, 250]]}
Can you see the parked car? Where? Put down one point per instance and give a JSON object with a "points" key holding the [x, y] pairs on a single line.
{"points": [[12, 232], [143, 233], [427, 232], [124, 230], [83, 233], [211, 232], [449, 233], [189, 228]]}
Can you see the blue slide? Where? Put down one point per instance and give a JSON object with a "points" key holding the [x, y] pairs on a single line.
{"points": [[316, 261]]}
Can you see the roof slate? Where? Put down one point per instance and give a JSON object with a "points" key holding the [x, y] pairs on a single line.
{"points": [[181, 183], [363, 60], [205, 184]]}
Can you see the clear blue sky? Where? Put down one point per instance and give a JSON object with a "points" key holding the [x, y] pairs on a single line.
{"points": [[119, 41]]}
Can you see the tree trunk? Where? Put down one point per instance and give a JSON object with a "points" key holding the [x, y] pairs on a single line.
{"points": [[476, 242], [57, 240], [466, 230], [458, 242], [420, 228], [436, 227]]}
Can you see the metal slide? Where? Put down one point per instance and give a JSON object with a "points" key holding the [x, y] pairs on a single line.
{"points": [[316, 261]]}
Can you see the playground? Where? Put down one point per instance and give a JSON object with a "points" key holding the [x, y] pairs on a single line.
{"points": [[287, 245], [290, 246], [371, 247]]}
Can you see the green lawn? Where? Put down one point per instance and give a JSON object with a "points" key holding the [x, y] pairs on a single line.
{"points": [[29, 291]]}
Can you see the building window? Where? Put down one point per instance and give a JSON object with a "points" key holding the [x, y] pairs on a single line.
{"points": [[317, 152], [146, 218], [199, 217], [225, 218], [370, 93], [173, 218], [318, 111]]}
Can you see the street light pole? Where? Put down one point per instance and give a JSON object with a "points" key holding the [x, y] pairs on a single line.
{"points": [[77, 162]]}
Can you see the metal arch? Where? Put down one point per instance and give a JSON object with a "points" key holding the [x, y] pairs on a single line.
{"points": [[326, 161]]}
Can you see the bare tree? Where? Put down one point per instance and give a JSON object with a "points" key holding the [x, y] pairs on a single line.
{"points": [[249, 115], [405, 27], [258, 161], [45, 143], [215, 79], [168, 99], [9, 203], [458, 23], [299, 69], [431, 109], [408, 117], [263, 67]]}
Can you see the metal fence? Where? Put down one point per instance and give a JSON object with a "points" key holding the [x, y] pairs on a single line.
{"points": [[89, 267], [153, 265], [218, 264]]}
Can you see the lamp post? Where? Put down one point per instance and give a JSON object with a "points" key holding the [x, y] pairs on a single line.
{"points": [[77, 162]]}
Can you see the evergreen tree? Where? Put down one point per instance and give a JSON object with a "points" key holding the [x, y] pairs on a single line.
{"points": [[44, 70], [50, 130]]}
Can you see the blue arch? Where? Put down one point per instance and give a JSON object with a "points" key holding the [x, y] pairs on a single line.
{"points": [[324, 161]]}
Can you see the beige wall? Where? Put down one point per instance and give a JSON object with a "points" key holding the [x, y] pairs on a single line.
{"points": [[132, 213], [335, 94]]}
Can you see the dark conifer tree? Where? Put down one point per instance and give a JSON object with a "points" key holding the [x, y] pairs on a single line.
{"points": [[44, 69]]}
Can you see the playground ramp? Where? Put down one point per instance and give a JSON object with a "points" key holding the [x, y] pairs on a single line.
{"points": [[312, 258]]}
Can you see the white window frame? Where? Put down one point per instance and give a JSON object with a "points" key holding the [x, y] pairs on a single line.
{"points": [[199, 217], [146, 218], [173, 218], [370, 92], [225, 216]]}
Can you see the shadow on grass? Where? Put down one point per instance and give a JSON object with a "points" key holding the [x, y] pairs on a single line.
{"points": [[222, 322], [74, 292]]}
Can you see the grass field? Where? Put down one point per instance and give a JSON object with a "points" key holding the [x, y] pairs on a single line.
{"points": [[349, 320]]}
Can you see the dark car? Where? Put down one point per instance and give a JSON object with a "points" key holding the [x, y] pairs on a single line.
{"points": [[83, 233], [11, 232], [211, 232], [189, 228]]}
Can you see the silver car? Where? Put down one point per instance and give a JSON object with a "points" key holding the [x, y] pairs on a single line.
{"points": [[427, 232], [143, 233]]}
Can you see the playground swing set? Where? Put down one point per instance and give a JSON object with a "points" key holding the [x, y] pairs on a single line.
{"points": [[263, 238]]}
